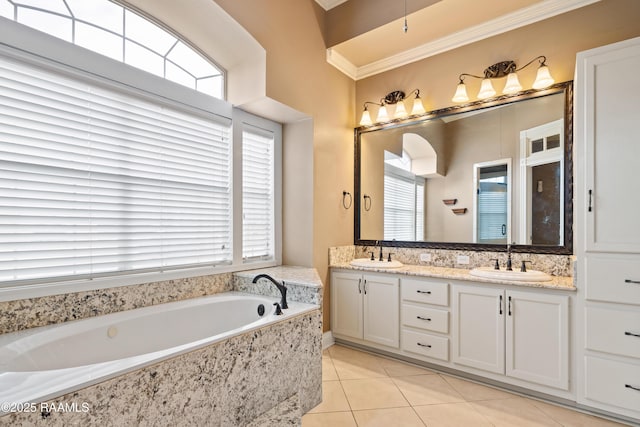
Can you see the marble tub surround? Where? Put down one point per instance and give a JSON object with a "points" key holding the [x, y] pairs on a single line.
{"points": [[555, 265], [271, 373], [33, 312], [303, 284]]}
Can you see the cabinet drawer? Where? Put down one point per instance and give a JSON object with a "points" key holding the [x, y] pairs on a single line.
{"points": [[613, 331], [425, 344], [610, 382], [430, 319], [613, 278], [425, 291]]}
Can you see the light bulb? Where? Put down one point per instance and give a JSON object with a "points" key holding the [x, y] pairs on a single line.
{"points": [[512, 85], [486, 89], [366, 118], [401, 112], [418, 108], [543, 78], [461, 93], [383, 116]]}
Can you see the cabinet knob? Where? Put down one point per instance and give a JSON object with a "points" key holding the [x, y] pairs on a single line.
{"points": [[637, 282], [423, 292], [632, 387], [423, 345], [631, 334], [424, 318]]}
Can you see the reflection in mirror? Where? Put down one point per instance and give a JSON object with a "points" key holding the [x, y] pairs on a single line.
{"points": [[492, 202], [408, 168]]}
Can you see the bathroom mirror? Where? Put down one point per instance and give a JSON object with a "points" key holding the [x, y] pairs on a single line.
{"points": [[474, 177]]}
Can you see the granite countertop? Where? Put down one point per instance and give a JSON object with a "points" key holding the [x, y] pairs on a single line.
{"points": [[302, 276], [556, 282]]}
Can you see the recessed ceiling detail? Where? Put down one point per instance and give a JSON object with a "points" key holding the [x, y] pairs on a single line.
{"points": [[329, 4], [433, 31]]}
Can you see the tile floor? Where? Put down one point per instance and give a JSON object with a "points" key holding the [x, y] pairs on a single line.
{"points": [[360, 389]]}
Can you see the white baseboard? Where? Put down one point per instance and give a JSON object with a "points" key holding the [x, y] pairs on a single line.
{"points": [[327, 340]]}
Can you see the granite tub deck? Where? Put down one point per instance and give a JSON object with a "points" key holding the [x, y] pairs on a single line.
{"points": [[267, 377]]}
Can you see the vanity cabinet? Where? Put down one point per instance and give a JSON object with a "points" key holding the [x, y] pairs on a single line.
{"points": [[608, 235], [523, 335], [365, 307]]}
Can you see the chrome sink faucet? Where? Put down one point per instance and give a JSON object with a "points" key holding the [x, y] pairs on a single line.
{"points": [[281, 287], [509, 258]]}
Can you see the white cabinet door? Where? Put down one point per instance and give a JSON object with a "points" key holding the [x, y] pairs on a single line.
{"points": [[382, 310], [537, 338], [608, 107], [346, 305], [478, 328]]}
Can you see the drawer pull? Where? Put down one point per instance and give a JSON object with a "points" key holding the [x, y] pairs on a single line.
{"points": [[637, 282], [631, 334], [424, 318], [632, 387], [423, 292], [428, 346]]}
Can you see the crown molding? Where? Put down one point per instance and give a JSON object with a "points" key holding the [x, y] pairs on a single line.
{"points": [[342, 64], [530, 15], [329, 4]]}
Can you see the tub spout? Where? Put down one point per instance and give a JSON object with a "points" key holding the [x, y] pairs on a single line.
{"points": [[281, 287]]}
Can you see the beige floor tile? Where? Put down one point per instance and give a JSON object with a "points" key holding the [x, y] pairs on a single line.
{"points": [[405, 417], [570, 418], [400, 369], [325, 353], [373, 393], [333, 398], [472, 391], [427, 390], [353, 364], [329, 419], [513, 412], [451, 415], [328, 371]]}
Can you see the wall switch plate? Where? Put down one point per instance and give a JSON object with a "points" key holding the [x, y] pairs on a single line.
{"points": [[463, 259], [425, 257]]}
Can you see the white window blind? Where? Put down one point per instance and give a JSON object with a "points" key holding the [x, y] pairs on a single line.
{"points": [[257, 194], [403, 205], [96, 182]]}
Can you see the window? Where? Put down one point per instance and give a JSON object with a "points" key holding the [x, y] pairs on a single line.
{"points": [[107, 171], [97, 181], [121, 34], [257, 194], [492, 204]]}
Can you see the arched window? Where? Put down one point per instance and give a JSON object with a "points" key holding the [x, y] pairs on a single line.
{"points": [[121, 34]]}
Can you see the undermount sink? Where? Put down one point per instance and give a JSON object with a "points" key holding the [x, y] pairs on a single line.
{"points": [[374, 263], [515, 275]]}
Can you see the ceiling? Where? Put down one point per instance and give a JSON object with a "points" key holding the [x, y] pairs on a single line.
{"points": [[441, 26]]}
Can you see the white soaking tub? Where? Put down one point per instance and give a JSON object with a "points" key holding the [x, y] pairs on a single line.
{"points": [[47, 362]]}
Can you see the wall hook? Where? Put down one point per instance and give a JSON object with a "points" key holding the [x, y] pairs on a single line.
{"points": [[344, 199]]}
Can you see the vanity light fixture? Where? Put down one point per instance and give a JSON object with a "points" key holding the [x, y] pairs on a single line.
{"points": [[506, 69], [396, 98]]}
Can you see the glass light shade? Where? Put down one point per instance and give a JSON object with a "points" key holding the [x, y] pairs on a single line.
{"points": [[418, 108], [366, 118], [512, 85], [486, 89], [401, 112], [461, 93], [543, 78], [383, 116]]}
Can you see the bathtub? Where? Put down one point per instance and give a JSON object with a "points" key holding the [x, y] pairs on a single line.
{"points": [[47, 362]]}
